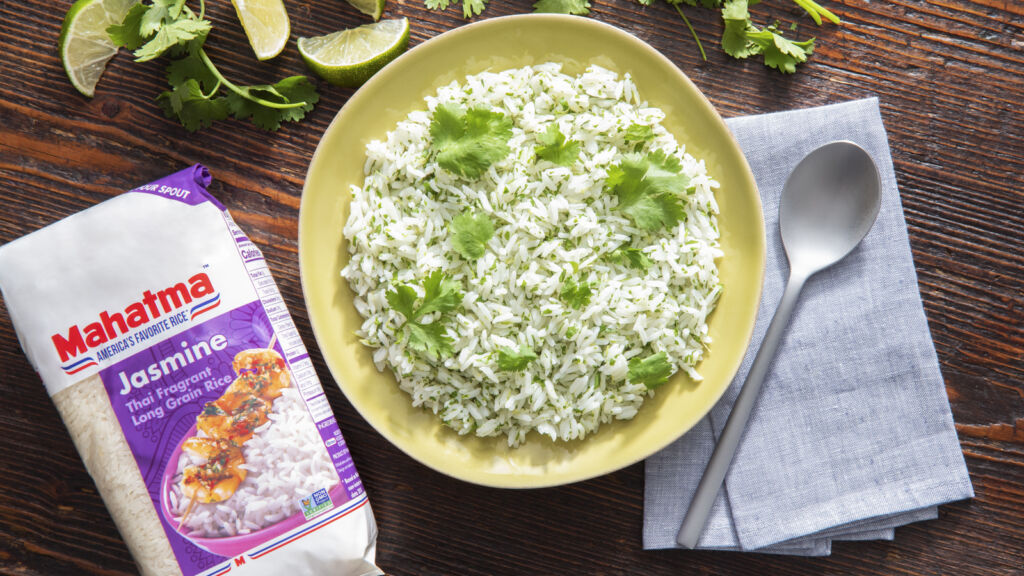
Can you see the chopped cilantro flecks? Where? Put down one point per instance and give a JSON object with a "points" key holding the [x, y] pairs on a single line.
{"points": [[554, 148], [467, 142], [649, 187], [512, 360], [470, 234], [652, 371], [441, 295]]}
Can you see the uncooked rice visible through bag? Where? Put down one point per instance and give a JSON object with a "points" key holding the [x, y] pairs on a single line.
{"points": [[167, 349]]}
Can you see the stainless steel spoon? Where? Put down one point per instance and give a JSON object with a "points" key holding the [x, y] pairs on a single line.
{"points": [[829, 203]]}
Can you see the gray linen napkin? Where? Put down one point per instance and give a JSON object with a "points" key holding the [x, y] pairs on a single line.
{"points": [[852, 434]]}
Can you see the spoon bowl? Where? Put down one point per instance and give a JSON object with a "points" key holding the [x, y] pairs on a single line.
{"points": [[828, 205]]}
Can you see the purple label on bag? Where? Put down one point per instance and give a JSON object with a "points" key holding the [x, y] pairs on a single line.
{"points": [[213, 417], [187, 186]]}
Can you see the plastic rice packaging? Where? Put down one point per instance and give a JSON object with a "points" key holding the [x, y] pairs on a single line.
{"points": [[163, 341]]}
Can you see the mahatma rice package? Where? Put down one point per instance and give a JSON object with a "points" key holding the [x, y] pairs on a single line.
{"points": [[161, 336]]}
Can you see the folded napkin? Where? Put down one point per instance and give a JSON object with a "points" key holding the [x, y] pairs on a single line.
{"points": [[852, 434]]}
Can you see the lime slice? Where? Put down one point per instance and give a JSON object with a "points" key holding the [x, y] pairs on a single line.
{"points": [[266, 25], [350, 57], [372, 8], [84, 45]]}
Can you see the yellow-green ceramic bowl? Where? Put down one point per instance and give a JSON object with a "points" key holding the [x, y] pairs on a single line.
{"points": [[399, 88]]}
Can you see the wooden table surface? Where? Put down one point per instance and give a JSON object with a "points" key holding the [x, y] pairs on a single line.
{"points": [[950, 78]]}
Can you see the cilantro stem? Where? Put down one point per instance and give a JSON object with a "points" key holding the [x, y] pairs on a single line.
{"points": [[692, 31], [241, 91], [816, 11]]}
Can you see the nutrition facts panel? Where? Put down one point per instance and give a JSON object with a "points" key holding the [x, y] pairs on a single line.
{"points": [[287, 335]]}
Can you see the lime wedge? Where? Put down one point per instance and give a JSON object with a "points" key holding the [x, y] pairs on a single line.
{"points": [[372, 8], [266, 25], [350, 57], [84, 45]]}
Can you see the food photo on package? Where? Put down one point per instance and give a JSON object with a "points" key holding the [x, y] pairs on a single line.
{"points": [[159, 333]]}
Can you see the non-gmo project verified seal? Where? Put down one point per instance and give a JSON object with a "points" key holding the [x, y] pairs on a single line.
{"points": [[316, 503]]}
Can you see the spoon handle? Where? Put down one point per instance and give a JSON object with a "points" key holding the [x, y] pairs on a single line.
{"points": [[714, 474]]}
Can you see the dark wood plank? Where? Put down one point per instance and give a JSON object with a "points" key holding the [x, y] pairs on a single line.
{"points": [[950, 78]]}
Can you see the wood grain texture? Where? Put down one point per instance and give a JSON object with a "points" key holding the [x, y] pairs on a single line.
{"points": [[950, 78]]}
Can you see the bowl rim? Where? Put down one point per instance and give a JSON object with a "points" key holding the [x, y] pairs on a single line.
{"points": [[366, 93]]}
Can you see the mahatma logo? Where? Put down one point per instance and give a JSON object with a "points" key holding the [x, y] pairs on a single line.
{"points": [[193, 297], [316, 503]]}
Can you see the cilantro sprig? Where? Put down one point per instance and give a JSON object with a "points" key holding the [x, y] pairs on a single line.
{"points": [[741, 39], [649, 188], [652, 371], [441, 296], [467, 142], [200, 94]]}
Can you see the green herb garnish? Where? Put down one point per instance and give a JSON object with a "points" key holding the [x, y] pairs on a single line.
{"points": [[441, 295], [576, 294], [577, 7], [512, 360], [470, 234], [652, 371], [200, 94], [470, 8], [631, 257], [741, 39], [554, 148], [649, 187], [467, 142]]}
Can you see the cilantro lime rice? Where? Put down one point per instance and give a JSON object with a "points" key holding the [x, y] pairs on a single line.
{"points": [[533, 252]]}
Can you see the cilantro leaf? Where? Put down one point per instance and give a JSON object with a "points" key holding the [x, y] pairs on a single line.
{"points": [[430, 339], [576, 294], [555, 149], [512, 360], [652, 371], [648, 188], [780, 53], [187, 103], [577, 7], [403, 299], [191, 66], [159, 12], [472, 8], [126, 34], [440, 295], [468, 142], [169, 35], [252, 102], [470, 234], [639, 133], [632, 257]]}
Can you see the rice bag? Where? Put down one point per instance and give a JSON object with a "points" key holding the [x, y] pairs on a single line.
{"points": [[162, 339]]}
